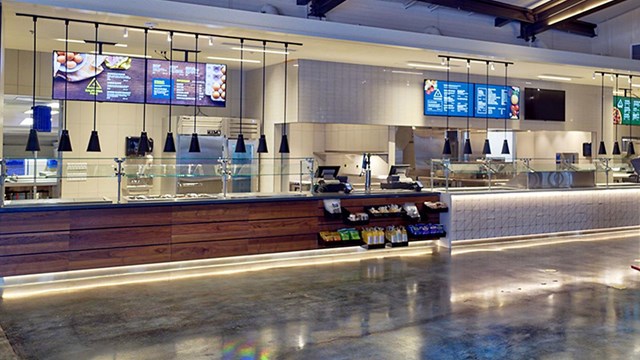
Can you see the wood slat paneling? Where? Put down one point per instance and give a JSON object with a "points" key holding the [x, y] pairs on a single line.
{"points": [[284, 210], [30, 222], [279, 244], [283, 227], [210, 213], [119, 237], [33, 264], [120, 217], [208, 249], [210, 232], [88, 259], [23, 244]]}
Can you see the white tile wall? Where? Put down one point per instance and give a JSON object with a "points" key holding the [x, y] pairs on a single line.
{"points": [[478, 216]]}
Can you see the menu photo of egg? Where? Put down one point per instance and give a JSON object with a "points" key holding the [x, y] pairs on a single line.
{"points": [[216, 82]]}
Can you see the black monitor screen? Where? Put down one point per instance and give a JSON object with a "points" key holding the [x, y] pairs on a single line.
{"points": [[543, 104], [399, 169], [331, 171]]}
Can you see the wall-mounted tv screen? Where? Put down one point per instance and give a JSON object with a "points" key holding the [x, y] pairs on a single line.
{"points": [[499, 101], [441, 96], [543, 104], [626, 110], [121, 79]]}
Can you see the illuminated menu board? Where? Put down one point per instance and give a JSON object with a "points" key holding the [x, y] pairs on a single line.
{"points": [[442, 96], [497, 102], [122, 79], [626, 110]]}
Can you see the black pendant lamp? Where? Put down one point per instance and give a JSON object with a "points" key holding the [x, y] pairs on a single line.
{"points": [[94, 140], [33, 144], [240, 145], [467, 141], [169, 143], [194, 146], [64, 144], [602, 149], [143, 146], [616, 145], [505, 143], [446, 150], [262, 143], [284, 143], [630, 148], [486, 149]]}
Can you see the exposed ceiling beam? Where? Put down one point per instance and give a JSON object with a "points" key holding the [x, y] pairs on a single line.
{"points": [[488, 7], [564, 15], [320, 8]]}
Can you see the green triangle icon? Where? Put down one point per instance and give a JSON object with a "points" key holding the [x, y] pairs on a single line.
{"points": [[94, 87]]}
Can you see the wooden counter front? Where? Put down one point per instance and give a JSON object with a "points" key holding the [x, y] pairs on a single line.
{"points": [[75, 238]]}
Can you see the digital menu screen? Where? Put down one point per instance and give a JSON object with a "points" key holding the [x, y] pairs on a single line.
{"points": [[497, 102], [626, 110], [121, 79], [452, 98]]}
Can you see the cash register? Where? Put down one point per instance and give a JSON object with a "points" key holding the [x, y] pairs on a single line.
{"points": [[330, 182], [398, 179]]}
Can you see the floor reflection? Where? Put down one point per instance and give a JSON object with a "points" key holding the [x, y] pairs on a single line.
{"points": [[573, 300]]}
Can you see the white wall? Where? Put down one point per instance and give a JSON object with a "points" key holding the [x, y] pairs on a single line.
{"points": [[545, 144], [616, 35]]}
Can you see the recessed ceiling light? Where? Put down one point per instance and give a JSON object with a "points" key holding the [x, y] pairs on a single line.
{"points": [[554, 77], [406, 72], [75, 41], [26, 122], [260, 50], [233, 59]]}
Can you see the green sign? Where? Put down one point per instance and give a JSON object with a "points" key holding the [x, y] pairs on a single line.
{"points": [[626, 110]]}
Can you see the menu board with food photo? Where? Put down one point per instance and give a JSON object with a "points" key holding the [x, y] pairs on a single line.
{"points": [[497, 102], [447, 98], [626, 110], [122, 79]]}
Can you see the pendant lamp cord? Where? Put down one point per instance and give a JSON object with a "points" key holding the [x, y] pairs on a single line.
{"points": [[264, 81], [241, 79], [616, 124], [170, 77], [66, 82], [445, 98], [602, 107], [506, 88], [195, 82], [33, 107], [631, 95], [146, 74], [468, 80], [286, 59], [486, 108], [95, 80]]}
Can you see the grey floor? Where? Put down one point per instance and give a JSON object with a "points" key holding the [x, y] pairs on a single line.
{"points": [[576, 300]]}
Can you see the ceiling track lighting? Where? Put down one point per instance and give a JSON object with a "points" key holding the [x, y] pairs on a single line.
{"points": [[240, 145], [446, 150], [284, 142], [64, 144], [33, 144], [169, 142], [194, 145], [262, 142]]}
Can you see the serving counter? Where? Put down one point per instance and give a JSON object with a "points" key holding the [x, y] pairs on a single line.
{"points": [[52, 237]]}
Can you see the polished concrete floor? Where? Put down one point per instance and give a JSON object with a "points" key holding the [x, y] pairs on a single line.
{"points": [[574, 300]]}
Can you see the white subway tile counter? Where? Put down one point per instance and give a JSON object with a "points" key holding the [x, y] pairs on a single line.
{"points": [[505, 214]]}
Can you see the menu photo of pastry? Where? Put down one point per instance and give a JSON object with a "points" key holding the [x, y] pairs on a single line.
{"points": [[74, 66]]}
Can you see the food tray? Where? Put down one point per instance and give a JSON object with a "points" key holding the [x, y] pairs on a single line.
{"points": [[428, 236], [345, 219], [341, 243], [382, 215]]}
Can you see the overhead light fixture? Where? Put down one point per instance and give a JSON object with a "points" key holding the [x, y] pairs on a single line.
{"points": [[636, 85], [467, 142], [194, 145], [505, 143], [428, 66], [169, 37], [446, 149], [443, 62], [33, 144], [54, 105], [554, 77], [602, 149], [94, 139], [72, 41], [630, 147], [169, 142], [407, 72], [263, 148], [125, 33], [616, 145], [240, 145], [260, 50], [493, 67], [486, 149], [233, 59], [26, 122], [593, 77], [64, 143], [284, 142], [121, 45], [144, 145], [210, 41]]}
